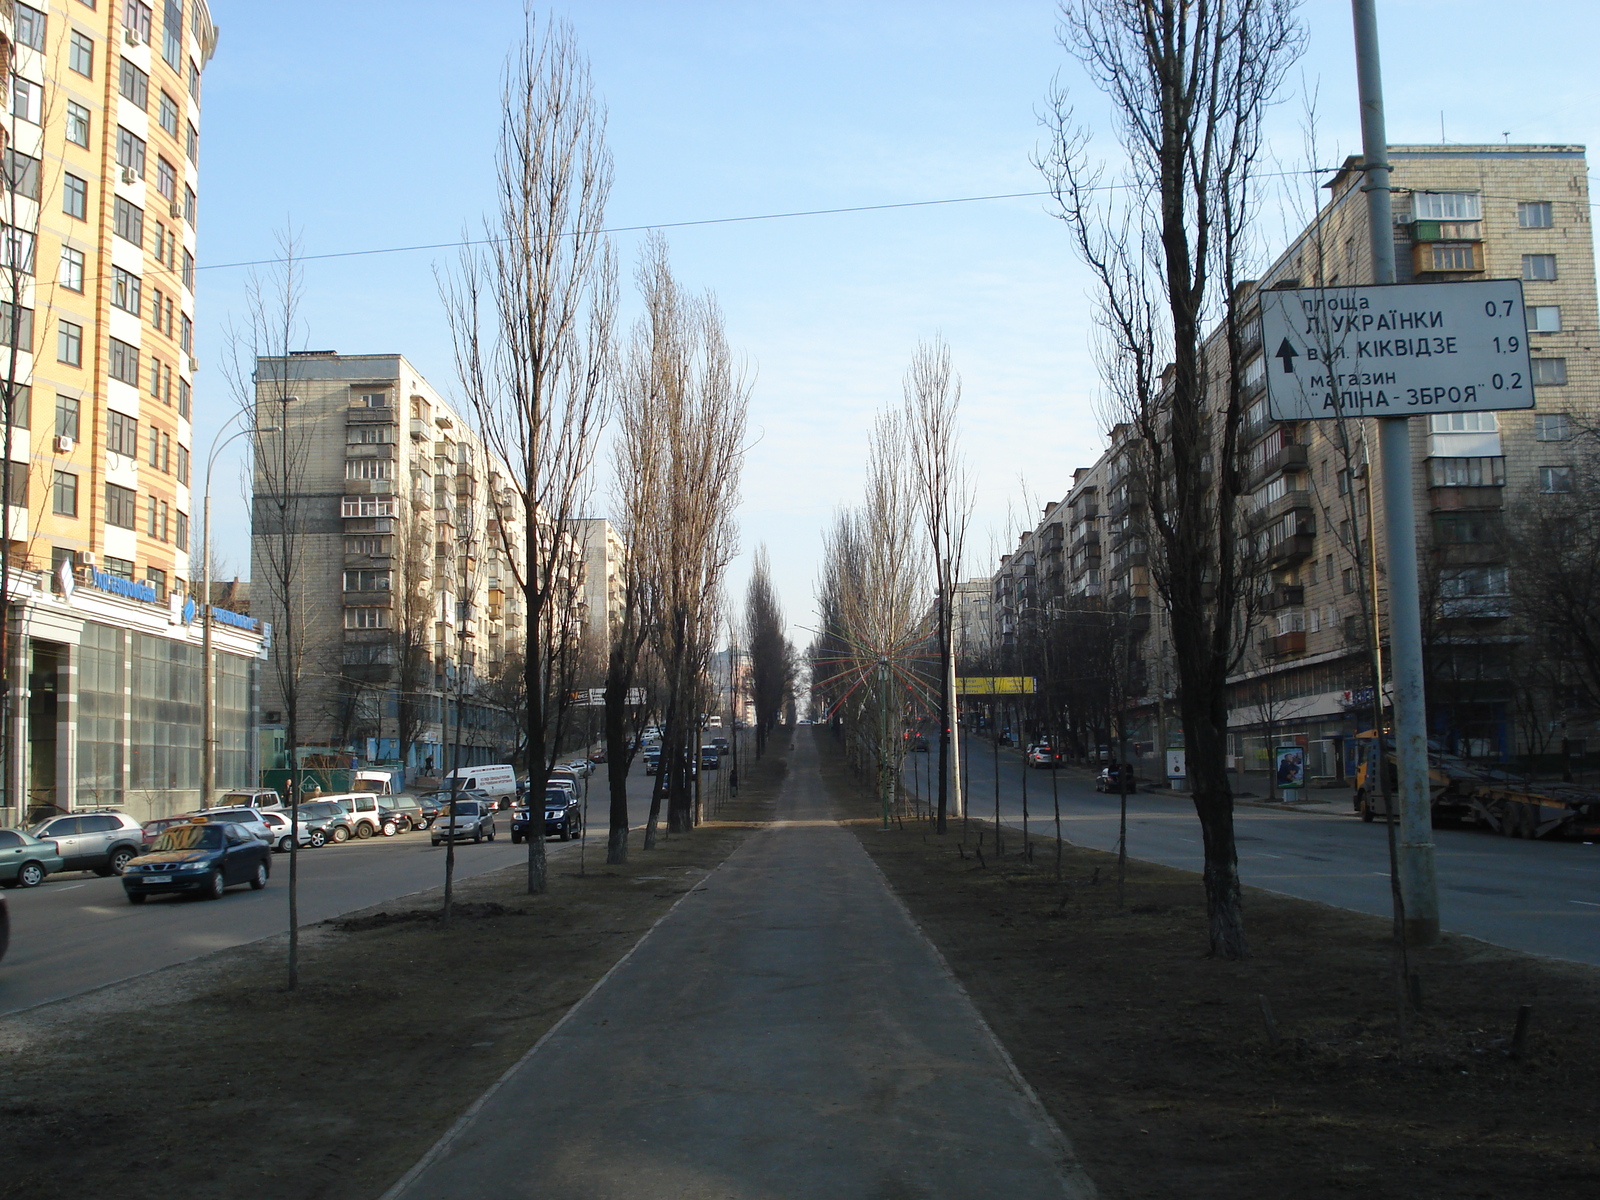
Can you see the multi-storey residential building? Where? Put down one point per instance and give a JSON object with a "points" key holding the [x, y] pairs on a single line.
{"points": [[603, 554], [99, 200], [407, 601], [1460, 213]]}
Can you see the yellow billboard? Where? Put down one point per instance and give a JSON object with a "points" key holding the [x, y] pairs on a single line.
{"points": [[996, 685]]}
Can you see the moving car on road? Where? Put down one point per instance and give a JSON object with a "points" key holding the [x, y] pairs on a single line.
{"points": [[1116, 779], [558, 801], [25, 860], [472, 819], [1042, 756], [563, 816], [203, 858], [102, 842], [710, 758]]}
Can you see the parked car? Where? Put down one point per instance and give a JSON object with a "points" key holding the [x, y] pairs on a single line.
{"points": [[282, 838], [325, 822], [558, 802], [432, 805], [5, 928], [25, 860], [409, 807], [153, 827], [250, 798], [581, 767], [205, 857], [251, 819], [471, 819], [363, 810], [565, 785], [102, 842], [1111, 779]]}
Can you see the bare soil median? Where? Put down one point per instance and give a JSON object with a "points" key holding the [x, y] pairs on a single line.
{"points": [[208, 1079], [1158, 1063]]}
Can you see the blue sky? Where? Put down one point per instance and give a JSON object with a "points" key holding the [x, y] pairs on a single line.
{"points": [[372, 125]]}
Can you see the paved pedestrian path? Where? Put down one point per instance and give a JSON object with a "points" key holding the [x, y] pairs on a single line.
{"points": [[785, 1033]]}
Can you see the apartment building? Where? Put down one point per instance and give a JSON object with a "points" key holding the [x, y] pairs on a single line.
{"points": [[603, 584], [1461, 212], [407, 608], [99, 196]]}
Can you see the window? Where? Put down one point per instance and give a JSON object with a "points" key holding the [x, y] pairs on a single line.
{"points": [[29, 26], [191, 143], [172, 33], [122, 434], [367, 580], [75, 197], [124, 362], [369, 435], [64, 494], [1534, 214], [1488, 471], [194, 83], [184, 398], [1544, 318], [166, 178], [1447, 206], [167, 115], [1462, 582], [372, 546], [122, 510], [27, 101], [80, 54], [125, 290], [157, 519], [120, 567], [191, 206], [369, 468], [1551, 427], [17, 481], [77, 124], [367, 506], [136, 19], [67, 411], [1538, 266], [1463, 422], [21, 406], [373, 400], [180, 532], [16, 249], [1467, 529], [18, 321], [183, 464], [1455, 256], [155, 447], [129, 222], [1555, 481], [188, 270], [130, 151], [185, 332], [1344, 477], [1549, 372], [366, 618], [69, 343], [22, 174], [71, 269], [158, 579], [134, 84]]}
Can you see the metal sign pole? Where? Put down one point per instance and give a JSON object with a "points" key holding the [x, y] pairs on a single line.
{"points": [[1418, 884]]}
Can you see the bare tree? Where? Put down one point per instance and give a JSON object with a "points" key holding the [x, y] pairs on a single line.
{"points": [[263, 374], [772, 666], [944, 502], [537, 367]]}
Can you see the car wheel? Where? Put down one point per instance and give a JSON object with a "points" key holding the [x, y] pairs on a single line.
{"points": [[136, 897], [214, 887], [363, 830], [516, 839], [566, 831], [341, 834], [120, 858], [284, 844], [30, 874], [318, 839], [477, 836], [435, 843], [259, 879], [390, 829]]}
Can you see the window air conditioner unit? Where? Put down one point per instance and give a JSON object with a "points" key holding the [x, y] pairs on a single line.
{"points": [[130, 36], [86, 558], [175, 210], [128, 175], [65, 445]]}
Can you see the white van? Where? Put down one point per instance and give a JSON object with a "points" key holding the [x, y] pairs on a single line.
{"points": [[498, 781]]}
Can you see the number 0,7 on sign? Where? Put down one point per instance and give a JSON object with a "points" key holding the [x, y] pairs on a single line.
{"points": [[1395, 350]]}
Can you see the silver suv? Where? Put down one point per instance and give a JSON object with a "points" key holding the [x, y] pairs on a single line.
{"points": [[101, 842]]}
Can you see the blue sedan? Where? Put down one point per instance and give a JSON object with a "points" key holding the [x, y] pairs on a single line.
{"points": [[203, 858]]}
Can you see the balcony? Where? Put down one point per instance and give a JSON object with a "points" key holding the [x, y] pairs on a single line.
{"points": [[372, 416], [1475, 608], [1454, 499], [1124, 563], [1285, 595], [1288, 458], [1284, 644], [1297, 501], [1290, 551], [420, 431], [1085, 540], [1126, 498]]}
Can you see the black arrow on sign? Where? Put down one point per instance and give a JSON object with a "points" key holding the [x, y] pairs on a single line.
{"points": [[1288, 353]]}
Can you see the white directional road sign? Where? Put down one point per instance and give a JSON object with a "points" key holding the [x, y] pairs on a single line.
{"points": [[1395, 350]]}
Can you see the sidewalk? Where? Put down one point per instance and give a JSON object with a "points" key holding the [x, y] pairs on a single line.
{"points": [[785, 1033]]}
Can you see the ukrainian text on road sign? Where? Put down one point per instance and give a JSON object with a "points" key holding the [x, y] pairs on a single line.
{"points": [[1396, 350]]}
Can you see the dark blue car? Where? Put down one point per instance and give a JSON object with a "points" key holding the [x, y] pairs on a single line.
{"points": [[202, 858]]}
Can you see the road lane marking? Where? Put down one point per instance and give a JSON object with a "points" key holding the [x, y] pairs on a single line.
{"points": [[1585, 903]]}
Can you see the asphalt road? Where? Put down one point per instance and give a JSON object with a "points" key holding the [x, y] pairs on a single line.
{"points": [[1542, 897], [76, 931]]}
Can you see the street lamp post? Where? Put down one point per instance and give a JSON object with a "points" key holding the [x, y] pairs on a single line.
{"points": [[208, 754]]}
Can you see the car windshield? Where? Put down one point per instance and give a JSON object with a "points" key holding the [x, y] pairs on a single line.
{"points": [[467, 808], [316, 812], [557, 798], [190, 837], [239, 798]]}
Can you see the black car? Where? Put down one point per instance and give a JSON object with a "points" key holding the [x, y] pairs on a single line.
{"points": [[1116, 779], [202, 857], [563, 816]]}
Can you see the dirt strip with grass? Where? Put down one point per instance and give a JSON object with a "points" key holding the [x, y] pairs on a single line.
{"points": [[1158, 1062], [210, 1080]]}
